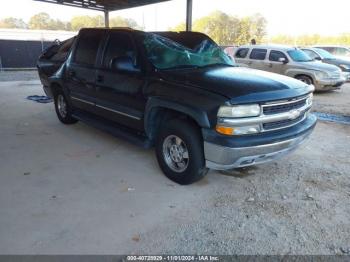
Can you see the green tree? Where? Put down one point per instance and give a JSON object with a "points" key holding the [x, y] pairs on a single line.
{"points": [[118, 21], [219, 26], [180, 27], [11, 22], [229, 30], [79, 22], [40, 21]]}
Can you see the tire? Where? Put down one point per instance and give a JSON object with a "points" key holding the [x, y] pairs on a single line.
{"points": [[63, 109], [306, 79], [179, 150]]}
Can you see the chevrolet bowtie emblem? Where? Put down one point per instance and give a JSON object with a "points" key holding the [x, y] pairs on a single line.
{"points": [[294, 114]]}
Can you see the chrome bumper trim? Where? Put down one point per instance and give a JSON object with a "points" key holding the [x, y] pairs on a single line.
{"points": [[223, 158]]}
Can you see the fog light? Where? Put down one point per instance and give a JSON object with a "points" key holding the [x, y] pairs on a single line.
{"points": [[239, 130], [245, 130]]}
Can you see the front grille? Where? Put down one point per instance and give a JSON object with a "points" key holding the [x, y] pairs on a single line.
{"points": [[283, 107], [283, 123]]}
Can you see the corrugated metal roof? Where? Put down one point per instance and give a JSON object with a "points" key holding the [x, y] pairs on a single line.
{"points": [[104, 5]]}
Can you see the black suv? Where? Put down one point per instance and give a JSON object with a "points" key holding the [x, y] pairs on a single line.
{"points": [[180, 92]]}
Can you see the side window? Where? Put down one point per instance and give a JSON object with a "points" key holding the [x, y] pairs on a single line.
{"points": [[311, 53], [258, 54], [342, 51], [119, 44], [242, 52], [329, 49], [276, 55], [87, 47]]}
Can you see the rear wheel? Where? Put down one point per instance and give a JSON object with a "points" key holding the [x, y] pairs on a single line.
{"points": [[63, 110], [306, 79], [179, 150]]}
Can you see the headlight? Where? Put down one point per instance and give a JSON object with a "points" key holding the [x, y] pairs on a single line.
{"points": [[346, 67], [239, 111], [321, 75]]}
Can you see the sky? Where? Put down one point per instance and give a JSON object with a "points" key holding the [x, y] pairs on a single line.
{"points": [[292, 17]]}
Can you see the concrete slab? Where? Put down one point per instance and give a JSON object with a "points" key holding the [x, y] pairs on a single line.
{"points": [[76, 190]]}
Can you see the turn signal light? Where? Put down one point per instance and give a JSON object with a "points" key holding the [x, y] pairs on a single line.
{"points": [[225, 130]]}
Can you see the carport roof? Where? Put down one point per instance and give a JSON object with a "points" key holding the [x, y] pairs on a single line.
{"points": [[104, 5]]}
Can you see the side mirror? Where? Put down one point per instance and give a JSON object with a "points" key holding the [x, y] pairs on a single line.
{"points": [[282, 60], [124, 64], [318, 58]]}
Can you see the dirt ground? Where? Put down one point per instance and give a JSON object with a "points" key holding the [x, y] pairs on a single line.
{"points": [[334, 102], [76, 190]]}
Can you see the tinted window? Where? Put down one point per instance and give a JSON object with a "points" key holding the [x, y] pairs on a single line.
{"points": [[87, 47], [328, 49], [119, 44], [310, 53], [242, 52], [276, 55], [258, 54], [342, 51], [299, 56]]}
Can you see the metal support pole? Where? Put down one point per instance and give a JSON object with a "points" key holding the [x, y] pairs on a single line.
{"points": [[189, 15], [106, 18]]}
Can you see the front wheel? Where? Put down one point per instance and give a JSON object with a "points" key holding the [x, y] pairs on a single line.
{"points": [[306, 79], [63, 110], [179, 149]]}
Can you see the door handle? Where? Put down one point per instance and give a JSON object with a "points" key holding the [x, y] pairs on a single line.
{"points": [[270, 64], [99, 78]]}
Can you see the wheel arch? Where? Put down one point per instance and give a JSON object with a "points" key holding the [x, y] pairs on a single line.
{"points": [[158, 110]]}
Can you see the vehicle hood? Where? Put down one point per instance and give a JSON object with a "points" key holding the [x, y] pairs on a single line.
{"points": [[337, 62], [240, 85], [317, 66]]}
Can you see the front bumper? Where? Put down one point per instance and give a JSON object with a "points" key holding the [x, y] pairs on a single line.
{"points": [[329, 84], [270, 147]]}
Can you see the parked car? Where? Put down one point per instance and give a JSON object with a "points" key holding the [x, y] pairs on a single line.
{"points": [[180, 93], [341, 52], [326, 57], [293, 62]]}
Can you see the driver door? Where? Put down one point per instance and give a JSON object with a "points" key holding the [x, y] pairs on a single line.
{"points": [[119, 95], [275, 64]]}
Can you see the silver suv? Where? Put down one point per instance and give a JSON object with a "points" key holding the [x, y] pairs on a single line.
{"points": [[342, 52], [291, 62]]}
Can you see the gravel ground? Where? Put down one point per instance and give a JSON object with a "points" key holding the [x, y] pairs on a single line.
{"points": [[334, 102], [299, 205], [76, 190]]}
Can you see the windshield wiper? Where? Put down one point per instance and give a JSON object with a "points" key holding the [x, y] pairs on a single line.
{"points": [[217, 64], [179, 67]]}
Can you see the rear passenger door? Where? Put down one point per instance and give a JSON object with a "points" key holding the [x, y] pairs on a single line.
{"points": [[257, 59], [119, 95], [81, 70]]}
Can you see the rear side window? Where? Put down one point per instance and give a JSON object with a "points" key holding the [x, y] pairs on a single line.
{"points": [[242, 52], [87, 47], [276, 55], [119, 45], [258, 54]]}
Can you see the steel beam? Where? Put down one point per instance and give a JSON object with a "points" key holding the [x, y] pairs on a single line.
{"points": [[106, 18], [189, 15]]}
